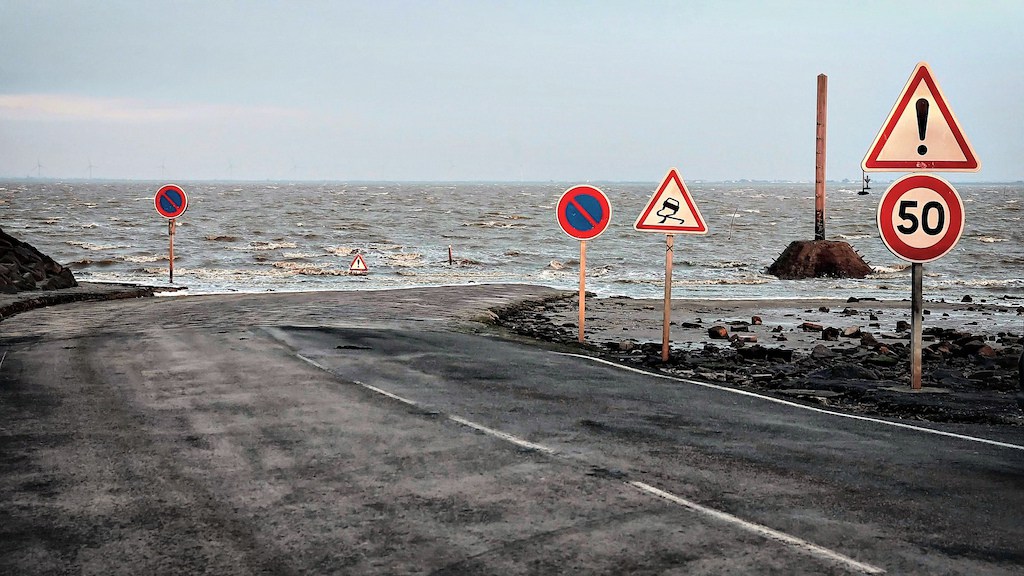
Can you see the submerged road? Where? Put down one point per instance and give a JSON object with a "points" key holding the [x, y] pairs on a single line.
{"points": [[373, 433]]}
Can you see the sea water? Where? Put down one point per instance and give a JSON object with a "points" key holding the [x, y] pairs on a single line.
{"points": [[302, 236]]}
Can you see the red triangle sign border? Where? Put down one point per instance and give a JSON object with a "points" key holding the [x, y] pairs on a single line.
{"points": [[700, 227], [871, 163]]}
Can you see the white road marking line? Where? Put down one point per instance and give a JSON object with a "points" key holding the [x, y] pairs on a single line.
{"points": [[503, 435], [764, 531], [801, 406], [761, 530], [367, 386], [388, 394]]}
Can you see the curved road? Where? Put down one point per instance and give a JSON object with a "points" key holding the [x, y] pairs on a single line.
{"points": [[386, 433]]}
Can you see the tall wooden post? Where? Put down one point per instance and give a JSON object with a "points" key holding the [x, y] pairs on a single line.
{"points": [[583, 285], [667, 315], [819, 159], [916, 320], [170, 261]]}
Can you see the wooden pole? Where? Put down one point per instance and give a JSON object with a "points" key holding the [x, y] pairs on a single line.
{"points": [[819, 159], [583, 284], [916, 319], [170, 263], [667, 315]]}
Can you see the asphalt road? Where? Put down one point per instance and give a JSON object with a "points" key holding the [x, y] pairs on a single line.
{"points": [[293, 434]]}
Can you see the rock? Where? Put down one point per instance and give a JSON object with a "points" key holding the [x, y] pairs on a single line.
{"points": [[718, 333], [626, 345], [902, 325], [830, 334], [967, 298], [811, 327], [985, 351], [883, 360], [690, 325], [746, 338], [756, 352], [823, 309], [851, 331], [849, 312], [821, 352], [25, 268], [845, 372], [973, 346], [741, 328], [819, 258], [780, 354], [755, 320], [873, 317]]}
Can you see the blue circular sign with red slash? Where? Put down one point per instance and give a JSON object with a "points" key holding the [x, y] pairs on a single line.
{"points": [[170, 201], [583, 212]]}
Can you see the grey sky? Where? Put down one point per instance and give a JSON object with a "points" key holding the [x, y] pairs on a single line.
{"points": [[481, 90]]}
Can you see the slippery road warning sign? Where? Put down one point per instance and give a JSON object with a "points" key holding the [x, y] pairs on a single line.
{"points": [[921, 132], [671, 210]]}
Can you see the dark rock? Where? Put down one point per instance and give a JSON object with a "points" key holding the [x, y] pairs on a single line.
{"points": [[25, 268], [849, 312], [902, 325], [690, 325], [718, 333], [868, 339], [819, 258], [845, 372], [821, 352], [811, 327], [830, 334], [777, 329], [967, 298], [756, 352], [851, 331], [755, 320], [883, 360]]}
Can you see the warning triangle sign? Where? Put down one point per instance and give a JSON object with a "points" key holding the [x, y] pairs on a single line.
{"points": [[358, 265], [671, 210], [921, 132]]}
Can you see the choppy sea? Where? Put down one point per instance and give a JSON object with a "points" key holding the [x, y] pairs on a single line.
{"points": [[259, 236]]}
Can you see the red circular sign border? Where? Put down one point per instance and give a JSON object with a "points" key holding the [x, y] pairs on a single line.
{"points": [[890, 237], [602, 199], [184, 197]]}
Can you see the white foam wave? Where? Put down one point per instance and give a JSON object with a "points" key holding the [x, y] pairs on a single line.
{"points": [[91, 246], [143, 259], [403, 259], [991, 239], [854, 236]]}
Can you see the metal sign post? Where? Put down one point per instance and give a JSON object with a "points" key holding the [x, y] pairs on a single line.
{"points": [[170, 258], [916, 321]]}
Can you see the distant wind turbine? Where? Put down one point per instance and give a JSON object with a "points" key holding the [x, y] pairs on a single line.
{"points": [[90, 168], [39, 168]]}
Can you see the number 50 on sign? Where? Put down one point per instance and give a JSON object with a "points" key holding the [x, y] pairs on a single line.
{"points": [[920, 217]]}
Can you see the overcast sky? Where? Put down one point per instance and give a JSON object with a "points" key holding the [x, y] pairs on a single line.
{"points": [[482, 90]]}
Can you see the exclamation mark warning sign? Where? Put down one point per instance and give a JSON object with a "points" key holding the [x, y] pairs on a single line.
{"points": [[921, 133]]}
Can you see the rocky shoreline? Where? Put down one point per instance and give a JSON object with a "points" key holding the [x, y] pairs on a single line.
{"points": [[834, 355]]}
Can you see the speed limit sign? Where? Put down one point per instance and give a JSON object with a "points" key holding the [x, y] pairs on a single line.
{"points": [[920, 217]]}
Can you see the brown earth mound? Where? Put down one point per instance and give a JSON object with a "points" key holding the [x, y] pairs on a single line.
{"points": [[818, 258]]}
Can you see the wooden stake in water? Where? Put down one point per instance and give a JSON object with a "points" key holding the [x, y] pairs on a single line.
{"points": [[170, 262], [819, 159], [583, 285], [916, 320], [450, 260], [667, 316]]}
